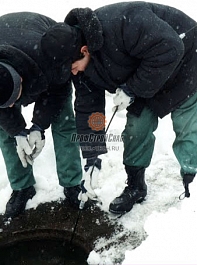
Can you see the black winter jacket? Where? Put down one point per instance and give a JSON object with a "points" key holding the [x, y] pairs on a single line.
{"points": [[43, 81], [138, 43]]}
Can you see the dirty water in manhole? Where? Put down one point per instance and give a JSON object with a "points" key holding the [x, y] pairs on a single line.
{"points": [[42, 252]]}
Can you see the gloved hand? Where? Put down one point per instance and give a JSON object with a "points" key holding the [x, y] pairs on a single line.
{"points": [[89, 181], [36, 140], [23, 148], [123, 98]]}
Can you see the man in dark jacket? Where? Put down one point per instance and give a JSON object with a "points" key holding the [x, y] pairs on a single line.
{"points": [[27, 77], [146, 54]]}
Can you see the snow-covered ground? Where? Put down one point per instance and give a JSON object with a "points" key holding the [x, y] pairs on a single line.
{"points": [[168, 225]]}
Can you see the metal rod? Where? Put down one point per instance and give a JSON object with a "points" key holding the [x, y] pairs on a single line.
{"points": [[75, 227], [82, 203], [116, 108]]}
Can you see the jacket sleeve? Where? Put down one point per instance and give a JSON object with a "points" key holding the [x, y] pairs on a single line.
{"points": [[49, 104], [89, 105], [158, 48], [12, 121]]}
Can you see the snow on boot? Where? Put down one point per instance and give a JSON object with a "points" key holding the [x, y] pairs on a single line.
{"points": [[135, 192]]}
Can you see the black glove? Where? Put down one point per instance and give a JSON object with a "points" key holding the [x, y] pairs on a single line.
{"points": [[93, 161]]}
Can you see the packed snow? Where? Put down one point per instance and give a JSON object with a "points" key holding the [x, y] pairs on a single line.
{"points": [[164, 225]]}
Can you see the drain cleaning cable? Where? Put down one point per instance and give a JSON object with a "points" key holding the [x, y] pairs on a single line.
{"points": [[82, 203]]}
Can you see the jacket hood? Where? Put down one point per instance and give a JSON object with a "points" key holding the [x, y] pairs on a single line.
{"points": [[33, 78]]}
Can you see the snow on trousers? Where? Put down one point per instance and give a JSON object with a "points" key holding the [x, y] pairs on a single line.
{"points": [[139, 139], [67, 153]]}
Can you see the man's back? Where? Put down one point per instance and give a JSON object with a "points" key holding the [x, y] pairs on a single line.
{"points": [[23, 30]]}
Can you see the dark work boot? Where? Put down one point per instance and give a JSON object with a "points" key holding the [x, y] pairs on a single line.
{"points": [[135, 192], [71, 194], [18, 200], [187, 179]]}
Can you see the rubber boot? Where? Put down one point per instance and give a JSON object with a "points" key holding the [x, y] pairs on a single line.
{"points": [[187, 179], [134, 192]]}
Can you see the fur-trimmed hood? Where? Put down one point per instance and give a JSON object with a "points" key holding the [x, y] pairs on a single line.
{"points": [[42, 81], [91, 27], [34, 81], [88, 22]]}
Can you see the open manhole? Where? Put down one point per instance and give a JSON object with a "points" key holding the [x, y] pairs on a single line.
{"points": [[42, 236], [42, 252]]}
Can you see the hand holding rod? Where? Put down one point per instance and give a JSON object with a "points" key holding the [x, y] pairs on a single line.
{"points": [[82, 203]]}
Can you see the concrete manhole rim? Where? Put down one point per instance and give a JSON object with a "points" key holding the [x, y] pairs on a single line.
{"points": [[44, 234]]}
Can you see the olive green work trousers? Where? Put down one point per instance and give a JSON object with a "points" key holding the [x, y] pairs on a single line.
{"points": [[68, 161], [139, 139]]}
